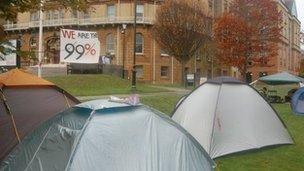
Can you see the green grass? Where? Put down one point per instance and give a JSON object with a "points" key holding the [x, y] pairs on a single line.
{"points": [[99, 84], [281, 89], [281, 158], [164, 104]]}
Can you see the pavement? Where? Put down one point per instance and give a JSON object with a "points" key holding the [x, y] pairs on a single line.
{"points": [[170, 91]]}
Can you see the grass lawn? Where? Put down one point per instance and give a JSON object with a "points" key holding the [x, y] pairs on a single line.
{"points": [[281, 89], [164, 104], [282, 158], [99, 84]]}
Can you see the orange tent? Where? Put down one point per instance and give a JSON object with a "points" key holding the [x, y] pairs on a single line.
{"points": [[16, 77], [26, 101]]}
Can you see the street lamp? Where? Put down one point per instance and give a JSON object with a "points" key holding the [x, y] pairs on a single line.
{"points": [[18, 48], [123, 31], [134, 49]]}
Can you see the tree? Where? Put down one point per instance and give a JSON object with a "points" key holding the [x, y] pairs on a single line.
{"points": [[248, 34], [181, 28], [207, 53], [10, 8]]}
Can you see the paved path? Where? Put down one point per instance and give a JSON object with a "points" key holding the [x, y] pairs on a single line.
{"points": [[171, 91]]}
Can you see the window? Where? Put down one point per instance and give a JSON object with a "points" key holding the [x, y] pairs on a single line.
{"points": [[111, 12], [210, 4], [139, 71], [33, 42], [35, 16], [110, 44], [139, 43], [11, 22], [139, 12], [164, 71], [47, 15], [74, 14], [84, 15], [225, 73], [226, 5], [54, 15], [187, 70], [163, 52]]}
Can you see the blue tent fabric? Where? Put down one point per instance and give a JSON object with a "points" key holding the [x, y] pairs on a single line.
{"points": [[103, 135], [297, 101]]}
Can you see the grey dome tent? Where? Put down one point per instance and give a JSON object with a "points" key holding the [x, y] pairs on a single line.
{"points": [[227, 116], [103, 135]]}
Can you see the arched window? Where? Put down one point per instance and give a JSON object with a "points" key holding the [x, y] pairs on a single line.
{"points": [[110, 43], [139, 43]]}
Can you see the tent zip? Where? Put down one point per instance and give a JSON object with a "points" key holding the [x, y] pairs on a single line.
{"points": [[9, 112], [215, 111]]}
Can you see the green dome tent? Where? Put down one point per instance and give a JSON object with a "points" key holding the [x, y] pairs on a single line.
{"points": [[281, 78], [103, 135]]}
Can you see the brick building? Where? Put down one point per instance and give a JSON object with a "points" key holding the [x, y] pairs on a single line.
{"points": [[289, 54], [108, 19], [152, 64]]}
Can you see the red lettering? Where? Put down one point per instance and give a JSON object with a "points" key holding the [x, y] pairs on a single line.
{"points": [[69, 34]]}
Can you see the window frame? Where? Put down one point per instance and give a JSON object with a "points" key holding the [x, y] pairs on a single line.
{"points": [[34, 16], [163, 53], [111, 16], [110, 42], [140, 10], [33, 41], [142, 44], [142, 73], [167, 71]]}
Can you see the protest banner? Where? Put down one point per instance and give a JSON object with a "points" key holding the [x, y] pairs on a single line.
{"points": [[79, 46]]}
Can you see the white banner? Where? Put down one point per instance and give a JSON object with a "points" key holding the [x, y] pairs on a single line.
{"points": [[79, 46], [9, 58]]}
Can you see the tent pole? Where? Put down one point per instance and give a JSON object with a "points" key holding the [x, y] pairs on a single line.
{"points": [[8, 111], [214, 117], [66, 100]]}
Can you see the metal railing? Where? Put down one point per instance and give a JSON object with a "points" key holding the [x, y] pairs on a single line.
{"points": [[79, 21]]}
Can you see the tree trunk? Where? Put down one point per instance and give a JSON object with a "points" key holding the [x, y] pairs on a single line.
{"points": [[183, 73], [245, 69], [244, 76]]}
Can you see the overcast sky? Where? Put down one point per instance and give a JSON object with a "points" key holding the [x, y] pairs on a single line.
{"points": [[300, 6]]}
